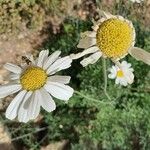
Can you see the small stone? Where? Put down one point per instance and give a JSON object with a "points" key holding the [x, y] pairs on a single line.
{"points": [[5, 140]]}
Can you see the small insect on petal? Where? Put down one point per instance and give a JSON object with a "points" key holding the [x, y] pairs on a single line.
{"points": [[30, 79]]}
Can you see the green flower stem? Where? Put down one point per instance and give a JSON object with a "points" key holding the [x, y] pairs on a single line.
{"points": [[105, 79], [92, 99]]}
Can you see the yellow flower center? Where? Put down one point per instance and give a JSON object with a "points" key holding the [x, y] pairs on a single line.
{"points": [[114, 37], [120, 73], [33, 78]]}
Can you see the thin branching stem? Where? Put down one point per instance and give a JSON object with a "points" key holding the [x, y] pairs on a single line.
{"points": [[28, 134], [38, 144]]}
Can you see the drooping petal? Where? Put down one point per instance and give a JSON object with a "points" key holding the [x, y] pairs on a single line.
{"points": [[58, 90], [91, 34], [86, 42], [23, 115], [12, 109], [59, 64], [46, 100], [13, 68], [95, 26], [53, 57], [117, 64], [91, 59], [105, 14], [9, 89], [140, 54], [90, 50], [42, 57], [59, 79]]}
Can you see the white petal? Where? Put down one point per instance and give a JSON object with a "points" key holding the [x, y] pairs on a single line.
{"points": [[111, 76], [117, 81], [86, 42], [131, 69], [91, 59], [129, 77], [128, 65], [125, 65], [13, 68], [42, 57], [90, 50], [113, 72], [33, 105], [140, 54], [9, 89], [123, 82], [58, 90], [51, 59], [59, 64], [46, 100], [22, 111], [14, 76], [12, 109], [59, 79]]}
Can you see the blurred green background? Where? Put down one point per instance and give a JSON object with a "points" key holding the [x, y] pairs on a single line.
{"points": [[89, 121]]}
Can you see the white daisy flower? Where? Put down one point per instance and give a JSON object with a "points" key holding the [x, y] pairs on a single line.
{"points": [[136, 1], [123, 76], [112, 37], [36, 84]]}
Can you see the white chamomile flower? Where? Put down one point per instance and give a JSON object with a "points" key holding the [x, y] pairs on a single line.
{"points": [[136, 1], [112, 37], [123, 74], [36, 84]]}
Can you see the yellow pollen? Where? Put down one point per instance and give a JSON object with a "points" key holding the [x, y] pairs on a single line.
{"points": [[33, 78], [114, 37], [120, 73]]}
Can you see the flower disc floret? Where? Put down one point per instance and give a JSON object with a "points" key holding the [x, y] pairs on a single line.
{"points": [[33, 78], [114, 37], [120, 73]]}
